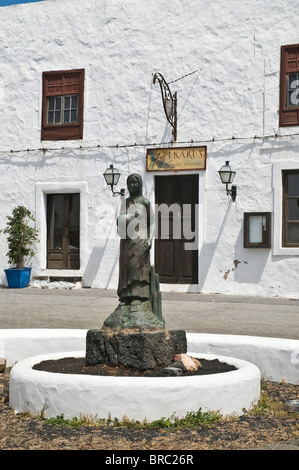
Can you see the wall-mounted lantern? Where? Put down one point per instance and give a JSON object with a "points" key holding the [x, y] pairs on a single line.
{"points": [[111, 176], [227, 175]]}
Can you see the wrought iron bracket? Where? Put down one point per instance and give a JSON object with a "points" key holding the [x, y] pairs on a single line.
{"points": [[118, 193], [232, 192], [169, 103]]}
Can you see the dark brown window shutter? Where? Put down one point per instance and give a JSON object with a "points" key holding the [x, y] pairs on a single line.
{"points": [[289, 63], [64, 82]]}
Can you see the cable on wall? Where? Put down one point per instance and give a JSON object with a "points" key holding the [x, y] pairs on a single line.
{"points": [[148, 144]]}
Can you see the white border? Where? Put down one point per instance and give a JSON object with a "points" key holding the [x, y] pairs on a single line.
{"points": [[277, 208], [137, 398], [202, 178], [42, 189], [276, 358]]}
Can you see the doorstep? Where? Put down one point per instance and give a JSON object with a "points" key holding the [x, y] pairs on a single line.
{"points": [[56, 281]]}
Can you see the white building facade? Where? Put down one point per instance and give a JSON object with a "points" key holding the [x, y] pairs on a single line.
{"points": [[78, 94]]}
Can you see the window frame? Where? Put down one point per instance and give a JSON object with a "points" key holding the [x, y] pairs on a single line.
{"points": [[266, 231], [62, 109], [277, 212], [68, 82], [285, 198], [288, 115]]}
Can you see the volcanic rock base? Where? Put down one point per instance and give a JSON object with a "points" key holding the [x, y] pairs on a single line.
{"points": [[142, 350]]}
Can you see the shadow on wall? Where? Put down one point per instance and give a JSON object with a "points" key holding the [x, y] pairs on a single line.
{"points": [[248, 264], [94, 265], [208, 250], [249, 267]]}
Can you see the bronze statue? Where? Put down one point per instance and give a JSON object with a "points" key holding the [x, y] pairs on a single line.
{"points": [[134, 335], [138, 287], [134, 257]]}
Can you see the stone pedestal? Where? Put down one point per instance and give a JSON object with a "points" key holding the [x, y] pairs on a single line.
{"points": [[140, 349]]}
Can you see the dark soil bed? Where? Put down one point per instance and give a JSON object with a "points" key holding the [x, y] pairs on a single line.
{"points": [[73, 365]]}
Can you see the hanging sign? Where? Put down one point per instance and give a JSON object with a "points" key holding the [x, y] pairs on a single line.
{"points": [[176, 159]]}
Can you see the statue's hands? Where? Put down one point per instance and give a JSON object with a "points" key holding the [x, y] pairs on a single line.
{"points": [[130, 216], [132, 213], [147, 245]]}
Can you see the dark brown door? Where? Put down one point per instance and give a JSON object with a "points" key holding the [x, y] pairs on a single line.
{"points": [[175, 262], [63, 231]]}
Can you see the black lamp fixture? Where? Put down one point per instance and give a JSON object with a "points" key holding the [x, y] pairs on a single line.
{"points": [[227, 175], [111, 176]]}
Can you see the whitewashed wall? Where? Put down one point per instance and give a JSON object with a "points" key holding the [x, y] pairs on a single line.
{"points": [[234, 49]]}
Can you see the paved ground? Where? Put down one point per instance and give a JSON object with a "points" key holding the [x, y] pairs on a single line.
{"points": [[197, 313]]}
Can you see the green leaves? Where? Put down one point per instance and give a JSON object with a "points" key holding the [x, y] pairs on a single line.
{"points": [[192, 420], [21, 237]]}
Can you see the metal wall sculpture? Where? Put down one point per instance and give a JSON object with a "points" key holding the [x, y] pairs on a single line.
{"points": [[169, 103]]}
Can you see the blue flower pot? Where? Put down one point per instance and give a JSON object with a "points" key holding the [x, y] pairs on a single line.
{"points": [[18, 278]]}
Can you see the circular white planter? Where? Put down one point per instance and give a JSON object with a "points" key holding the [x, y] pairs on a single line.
{"points": [[276, 358], [137, 398]]}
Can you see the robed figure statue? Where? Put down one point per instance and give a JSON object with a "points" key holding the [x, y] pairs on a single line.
{"points": [[136, 229], [138, 286], [134, 335]]}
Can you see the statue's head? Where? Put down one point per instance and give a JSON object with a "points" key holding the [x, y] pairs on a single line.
{"points": [[134, 183]]}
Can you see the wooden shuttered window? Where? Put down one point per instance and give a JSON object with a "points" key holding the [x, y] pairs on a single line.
{"points": [[289, 86], [290, 222], [62, 106]]}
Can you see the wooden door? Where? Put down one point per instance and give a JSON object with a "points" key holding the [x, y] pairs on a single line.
{"points": [[63, 229], [173, 261]]}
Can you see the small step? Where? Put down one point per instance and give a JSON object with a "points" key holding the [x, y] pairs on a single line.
{"points": [[58, 278], [62, 282]]}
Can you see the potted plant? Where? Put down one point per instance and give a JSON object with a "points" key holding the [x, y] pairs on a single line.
{"points": [[21, 238]]}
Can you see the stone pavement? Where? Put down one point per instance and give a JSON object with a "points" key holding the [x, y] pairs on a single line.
{"points": [[195, 313]]}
